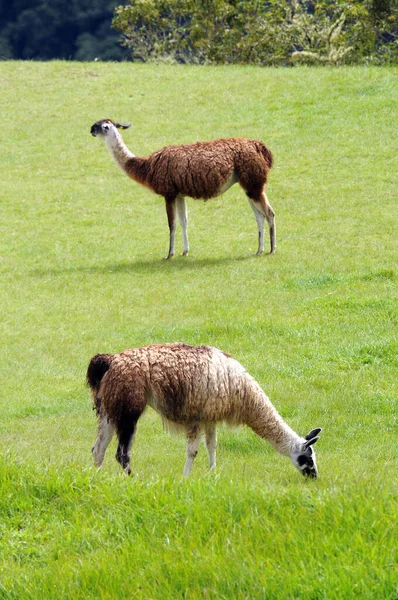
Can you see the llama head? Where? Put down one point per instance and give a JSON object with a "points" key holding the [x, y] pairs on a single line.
{"points": [[103, 127], [304, 458]]}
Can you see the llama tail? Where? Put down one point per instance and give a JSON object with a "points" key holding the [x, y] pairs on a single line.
{"points": [[97, 368], [267, 154]]}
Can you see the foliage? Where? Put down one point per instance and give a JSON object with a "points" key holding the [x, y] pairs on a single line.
{"points": [[260, 32], [263, 32], [77, 535]]}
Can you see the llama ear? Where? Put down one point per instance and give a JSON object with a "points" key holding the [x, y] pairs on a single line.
{"points": [[313, 433], [309, 443], [121, 126]]}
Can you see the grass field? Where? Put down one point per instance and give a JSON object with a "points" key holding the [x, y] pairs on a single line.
{"points": [[82, 272]]}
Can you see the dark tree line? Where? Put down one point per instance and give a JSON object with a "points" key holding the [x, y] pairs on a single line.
{"points": [[64, 29]]}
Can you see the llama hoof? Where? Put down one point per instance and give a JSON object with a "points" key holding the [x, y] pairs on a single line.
{"points": [[185, 253]]}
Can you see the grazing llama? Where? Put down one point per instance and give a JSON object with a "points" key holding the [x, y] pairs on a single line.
{"points": [[202, 170], [192, 388]]}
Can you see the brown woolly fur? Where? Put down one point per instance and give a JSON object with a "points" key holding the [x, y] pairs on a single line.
{"points": [[192, 388], [200, 170]]}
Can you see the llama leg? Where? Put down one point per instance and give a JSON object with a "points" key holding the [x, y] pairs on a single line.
{"points": [[171, 217], [194, 435], [126, 435], [260, 225], [270, 216], [211, 443], [264, 208], [183, 217], [105, 434]]}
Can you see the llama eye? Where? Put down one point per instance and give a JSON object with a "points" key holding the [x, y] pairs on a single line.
{"points": [[302, 460]]}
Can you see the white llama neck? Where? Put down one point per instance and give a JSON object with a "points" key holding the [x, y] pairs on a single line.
{"points": [[268, 423], [116, 146], [286, 440]]}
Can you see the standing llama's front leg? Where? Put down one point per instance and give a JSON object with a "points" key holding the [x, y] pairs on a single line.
{"points": [[105, 434], [171, 218], [183, 216], [194, 435]]}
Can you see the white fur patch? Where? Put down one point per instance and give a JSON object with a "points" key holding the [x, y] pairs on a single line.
{"points": [[232, 179]]}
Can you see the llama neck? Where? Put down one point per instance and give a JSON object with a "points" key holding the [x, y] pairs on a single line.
{"points": [[121, 154], [268, 423]]}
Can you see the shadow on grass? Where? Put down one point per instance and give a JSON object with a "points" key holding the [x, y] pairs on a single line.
{"points": [[148, 266]]}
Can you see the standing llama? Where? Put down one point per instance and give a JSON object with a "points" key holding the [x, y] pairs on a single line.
{"points": [[201, 171], [192, 388]]}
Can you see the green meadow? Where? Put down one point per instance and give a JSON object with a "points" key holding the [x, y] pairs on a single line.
{"points": [[82, 269]]}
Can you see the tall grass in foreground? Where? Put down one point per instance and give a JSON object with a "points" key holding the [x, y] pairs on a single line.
{"points": [[84, 535], [316, 324]]}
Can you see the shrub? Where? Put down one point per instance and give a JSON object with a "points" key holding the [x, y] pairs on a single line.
{"points": [[259, 32]]}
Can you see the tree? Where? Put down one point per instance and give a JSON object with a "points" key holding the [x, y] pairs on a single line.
{"points": [[259, 31], [47, 29]]}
